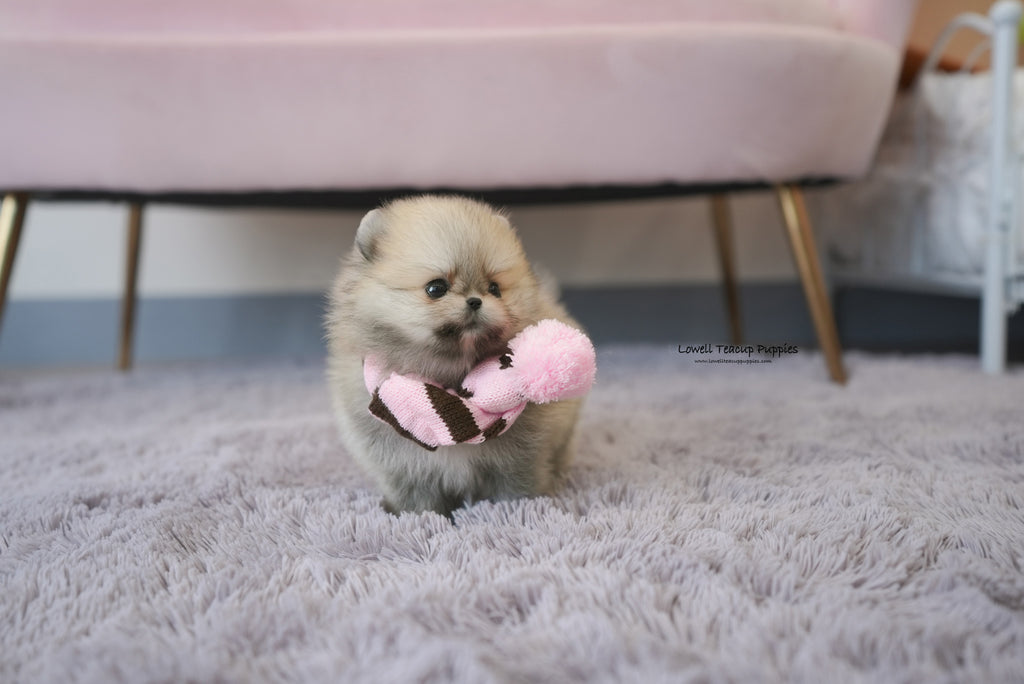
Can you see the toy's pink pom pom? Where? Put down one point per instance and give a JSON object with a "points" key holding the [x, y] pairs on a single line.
{"points": [[554, 360]]}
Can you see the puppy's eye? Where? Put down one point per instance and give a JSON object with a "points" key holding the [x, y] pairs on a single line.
{"points": [[494, 289], [437, 289]]}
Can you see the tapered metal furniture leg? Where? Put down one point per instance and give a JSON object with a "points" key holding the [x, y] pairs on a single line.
{"points": [[124, 359], [805, 254], [722, 222], [12, 218]]}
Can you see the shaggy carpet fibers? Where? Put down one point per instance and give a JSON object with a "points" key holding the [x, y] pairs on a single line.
{"points": [[722, 523]]}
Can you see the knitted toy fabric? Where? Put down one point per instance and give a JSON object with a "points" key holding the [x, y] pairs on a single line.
{"points": [[546, 362]]}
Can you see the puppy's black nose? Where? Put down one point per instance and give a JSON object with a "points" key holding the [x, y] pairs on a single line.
{"points": [[474, 303]]}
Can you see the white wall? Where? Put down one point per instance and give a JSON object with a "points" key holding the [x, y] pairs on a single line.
{"points": [[72, 250]]}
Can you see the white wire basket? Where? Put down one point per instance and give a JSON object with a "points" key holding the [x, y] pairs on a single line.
{"points": [[938, 212]]}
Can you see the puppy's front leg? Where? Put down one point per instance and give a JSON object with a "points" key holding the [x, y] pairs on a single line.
{"points": [[418, 493]]}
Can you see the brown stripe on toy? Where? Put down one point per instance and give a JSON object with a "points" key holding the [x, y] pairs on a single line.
{"points": [[495, 429], [457, 418], [381, 410]]}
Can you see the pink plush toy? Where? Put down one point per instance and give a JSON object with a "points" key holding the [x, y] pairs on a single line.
{"points": [[546, 362]]}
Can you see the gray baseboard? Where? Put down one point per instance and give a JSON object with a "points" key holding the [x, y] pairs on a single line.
{"points": [[84, 332], [875, 319], [771, 313]]}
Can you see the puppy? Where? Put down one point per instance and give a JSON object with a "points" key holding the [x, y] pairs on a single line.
{"points": [[433, 286]]}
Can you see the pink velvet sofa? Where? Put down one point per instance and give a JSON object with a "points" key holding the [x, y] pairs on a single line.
{"points": [[142, 100]]}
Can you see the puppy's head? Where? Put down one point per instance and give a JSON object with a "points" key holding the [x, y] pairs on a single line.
{"points": [[445, 284]]}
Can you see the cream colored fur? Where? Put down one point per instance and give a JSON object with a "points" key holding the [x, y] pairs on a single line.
{"points": [[380, 303]]}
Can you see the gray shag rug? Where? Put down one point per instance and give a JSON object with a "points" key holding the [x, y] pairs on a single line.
{"points": [[722, 523]]}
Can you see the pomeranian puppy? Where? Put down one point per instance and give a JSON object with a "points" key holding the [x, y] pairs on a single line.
{"points": [[433, 286]]}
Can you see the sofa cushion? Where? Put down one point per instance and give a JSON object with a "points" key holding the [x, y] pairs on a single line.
{"points": [[231, 96], [51, 18]]}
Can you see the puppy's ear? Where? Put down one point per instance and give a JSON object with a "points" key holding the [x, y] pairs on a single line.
{"points": [[371, 228]]}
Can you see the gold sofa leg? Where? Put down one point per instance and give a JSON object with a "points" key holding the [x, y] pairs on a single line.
{"points": [[805, 254], [12, 218], [722, 222], [131, 275]]}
